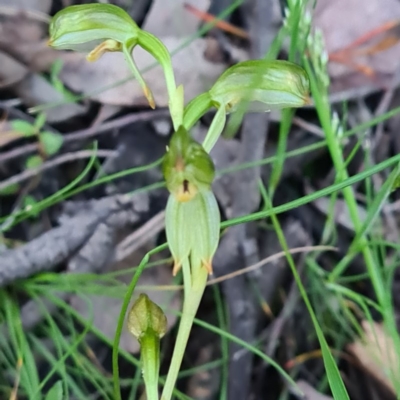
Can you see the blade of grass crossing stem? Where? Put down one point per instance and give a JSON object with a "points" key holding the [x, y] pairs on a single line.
{"points": [[135, 384], [313, 196], [223, 395], [378, 202], [312, 147], [251, 348], [335, 380], [284, 128], [50, 200], [373, 212]]}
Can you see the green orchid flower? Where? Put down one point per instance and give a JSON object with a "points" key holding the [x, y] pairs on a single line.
{"points": [[108, 28], [192, 213], [256, 85]]}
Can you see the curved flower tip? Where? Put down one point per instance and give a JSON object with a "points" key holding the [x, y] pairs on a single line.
{"points": [[149, 96], [177, 267], [208, 266]]}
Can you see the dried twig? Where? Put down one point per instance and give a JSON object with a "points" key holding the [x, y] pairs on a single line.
{"points": [[84, 134], [64, 158], [57, 245]]}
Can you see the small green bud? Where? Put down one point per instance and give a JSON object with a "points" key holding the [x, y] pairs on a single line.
{"points": [[275, 84], [146, 318], [147, 322], [187, 167], [192, 229]]}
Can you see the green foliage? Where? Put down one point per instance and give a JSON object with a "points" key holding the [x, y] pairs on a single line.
{"points": [[23, 127], [30, 203], [10, 190], [57, 83], [51, 142], [56, 392], [33, 162]]}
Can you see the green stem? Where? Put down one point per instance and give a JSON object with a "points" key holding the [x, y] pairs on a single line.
{"points": [[136, 73], [157, 49], [215, 130], [150, 357], [195, 109], [190, 307], [284, 128]]}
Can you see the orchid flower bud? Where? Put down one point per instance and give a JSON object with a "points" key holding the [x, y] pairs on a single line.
{"points": [[147, 322], [146, 317]]}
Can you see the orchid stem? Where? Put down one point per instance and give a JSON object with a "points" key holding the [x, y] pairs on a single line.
{"points": [[191, 304]]}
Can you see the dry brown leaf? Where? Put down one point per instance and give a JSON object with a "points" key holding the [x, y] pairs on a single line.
{"points": [[376, 352], [42, 6], [24, 39], [190, 66], [7, 137], [311, 393], [344, 21], [34, 90], [11, 71], [173, 20]]}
